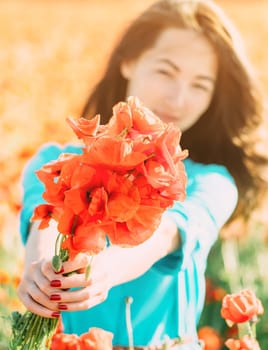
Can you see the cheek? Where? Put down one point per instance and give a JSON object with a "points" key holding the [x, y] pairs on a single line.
{"points": [[144, 89], [140, 92], [196, 106], [200, 103], [135, 85]]}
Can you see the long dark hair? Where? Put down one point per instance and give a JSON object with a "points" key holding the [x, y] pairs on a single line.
{"points": [[225, 133]]}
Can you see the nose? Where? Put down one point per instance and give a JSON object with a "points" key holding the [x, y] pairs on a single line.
{"points": [[178, 95]]}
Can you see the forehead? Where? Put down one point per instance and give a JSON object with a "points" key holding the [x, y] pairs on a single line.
{"points": [[184, 47]]}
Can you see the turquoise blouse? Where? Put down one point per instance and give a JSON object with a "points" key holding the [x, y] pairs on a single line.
{"points": [[168, 299]]}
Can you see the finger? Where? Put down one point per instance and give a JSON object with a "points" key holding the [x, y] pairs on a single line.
{"points": [[35, 307], [39, 297], [73, 281], [79, 295], [38, 286], [42, 276], [83, 305], [48, 271], [79, 263]]}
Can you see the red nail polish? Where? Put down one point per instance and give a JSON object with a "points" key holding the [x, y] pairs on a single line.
{"points": [[55, 283], [62, 307], [55, 314], [55, 297], [59, 272]]}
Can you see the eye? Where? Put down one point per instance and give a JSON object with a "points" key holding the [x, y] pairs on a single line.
{"points": [[164, 72], [202, 87]]}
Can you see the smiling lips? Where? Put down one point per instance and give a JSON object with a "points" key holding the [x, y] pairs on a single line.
{"points": [[168, 118]]}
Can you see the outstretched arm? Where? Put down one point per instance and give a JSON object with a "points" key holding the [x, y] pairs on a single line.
{"points": [[44, 292]]}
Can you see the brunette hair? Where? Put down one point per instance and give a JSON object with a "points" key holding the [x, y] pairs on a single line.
{"points": [[225, 133]]}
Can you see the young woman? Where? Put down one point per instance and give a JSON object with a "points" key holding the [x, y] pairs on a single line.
{"points": [[183, 60]]}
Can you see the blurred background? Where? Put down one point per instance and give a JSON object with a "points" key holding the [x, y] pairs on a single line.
{"points": [[51, 53]]}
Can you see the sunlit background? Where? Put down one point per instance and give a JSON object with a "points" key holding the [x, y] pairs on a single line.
{"points": [[51, 53]]}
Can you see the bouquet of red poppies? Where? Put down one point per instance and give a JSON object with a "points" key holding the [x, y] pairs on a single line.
{"points": [[129, 173]]}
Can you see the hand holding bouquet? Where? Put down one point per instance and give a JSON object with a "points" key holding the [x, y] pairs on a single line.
{"points": [[129, 173]]}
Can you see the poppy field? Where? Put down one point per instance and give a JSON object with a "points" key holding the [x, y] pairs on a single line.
{"points": [[51, 54]]}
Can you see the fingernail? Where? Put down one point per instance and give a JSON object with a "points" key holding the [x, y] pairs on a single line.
{"points": [[55, 283], [62, 307], [55, 314], [59, 272], [55, 297]]}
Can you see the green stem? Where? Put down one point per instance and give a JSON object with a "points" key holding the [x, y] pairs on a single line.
{"points": [[129, 301], [32, 335], [88, 269], [34, 332], [252, 326], [58, 244], [246, 328]]}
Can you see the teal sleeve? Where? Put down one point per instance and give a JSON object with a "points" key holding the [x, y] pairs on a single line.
{"points": [[211, 199], [32, 187]]}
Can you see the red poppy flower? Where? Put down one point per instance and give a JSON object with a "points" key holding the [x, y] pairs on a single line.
{"points": [[96, 339], [45, 213], [241, 307], [85, 129], [143, 120], [61, 341], [97, 206], [210, 337], [139, 228], [246, 343], [121, 154], [87, 239], [68, 221]]}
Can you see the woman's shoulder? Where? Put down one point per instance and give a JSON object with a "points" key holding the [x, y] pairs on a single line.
{"points": [[212, 180], [48, 152], [211, 189], [196, 171], [54, 149]]}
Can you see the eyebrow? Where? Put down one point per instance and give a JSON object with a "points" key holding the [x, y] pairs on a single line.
{"points": [[177, 69]]}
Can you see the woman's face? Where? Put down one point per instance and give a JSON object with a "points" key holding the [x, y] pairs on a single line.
{"points": [[176, 77]]}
